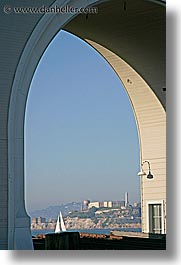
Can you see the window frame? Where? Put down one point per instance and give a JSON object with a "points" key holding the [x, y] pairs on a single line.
{"points": [[153, 202]]}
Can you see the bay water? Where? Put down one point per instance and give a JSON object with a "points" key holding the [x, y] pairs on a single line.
{"points": [[92, 231]]}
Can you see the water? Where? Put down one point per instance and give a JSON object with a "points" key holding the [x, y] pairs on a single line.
{"points": [[92, 231]]}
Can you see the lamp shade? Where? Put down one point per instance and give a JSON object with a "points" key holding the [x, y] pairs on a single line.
{"points": [[141, 173], [149, 176]]}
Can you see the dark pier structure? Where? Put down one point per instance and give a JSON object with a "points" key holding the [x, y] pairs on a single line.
{"points": [[88, 241]]}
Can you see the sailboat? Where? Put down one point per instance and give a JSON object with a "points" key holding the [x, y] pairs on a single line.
{"points": [[60, 226]]}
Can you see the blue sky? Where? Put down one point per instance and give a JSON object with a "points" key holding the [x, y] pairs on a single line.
{"points": [[81, 138]]}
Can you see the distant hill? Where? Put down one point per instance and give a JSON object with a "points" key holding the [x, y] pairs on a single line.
{"points": [[53, 211]]}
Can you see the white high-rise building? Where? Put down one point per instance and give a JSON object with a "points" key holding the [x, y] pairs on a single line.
{"points": [[126, 199]]}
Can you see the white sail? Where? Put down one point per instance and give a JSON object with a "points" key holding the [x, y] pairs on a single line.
{"points": [[62, 223], [60, 226], [57, 228]]}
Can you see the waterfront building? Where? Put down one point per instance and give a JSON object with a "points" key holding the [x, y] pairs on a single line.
{"points": [[41, 220], [33, 221]]}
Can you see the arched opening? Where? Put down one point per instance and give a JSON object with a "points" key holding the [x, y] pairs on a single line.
{"points": [[81, 137]]}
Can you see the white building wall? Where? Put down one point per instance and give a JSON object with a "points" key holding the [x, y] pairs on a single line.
{"points": [[151, 122]]}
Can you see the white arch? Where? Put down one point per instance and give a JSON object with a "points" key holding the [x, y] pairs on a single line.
{"points": [[49, 25]]}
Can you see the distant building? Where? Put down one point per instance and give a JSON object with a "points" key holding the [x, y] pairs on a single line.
{"points": [[38, 220], [136, 204], [126, 199], [41, 220], [118, 204], [109, 204], [52, 220], [101, 204], [106, 204], [94, 204], [33, 220], [85, 204]]}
